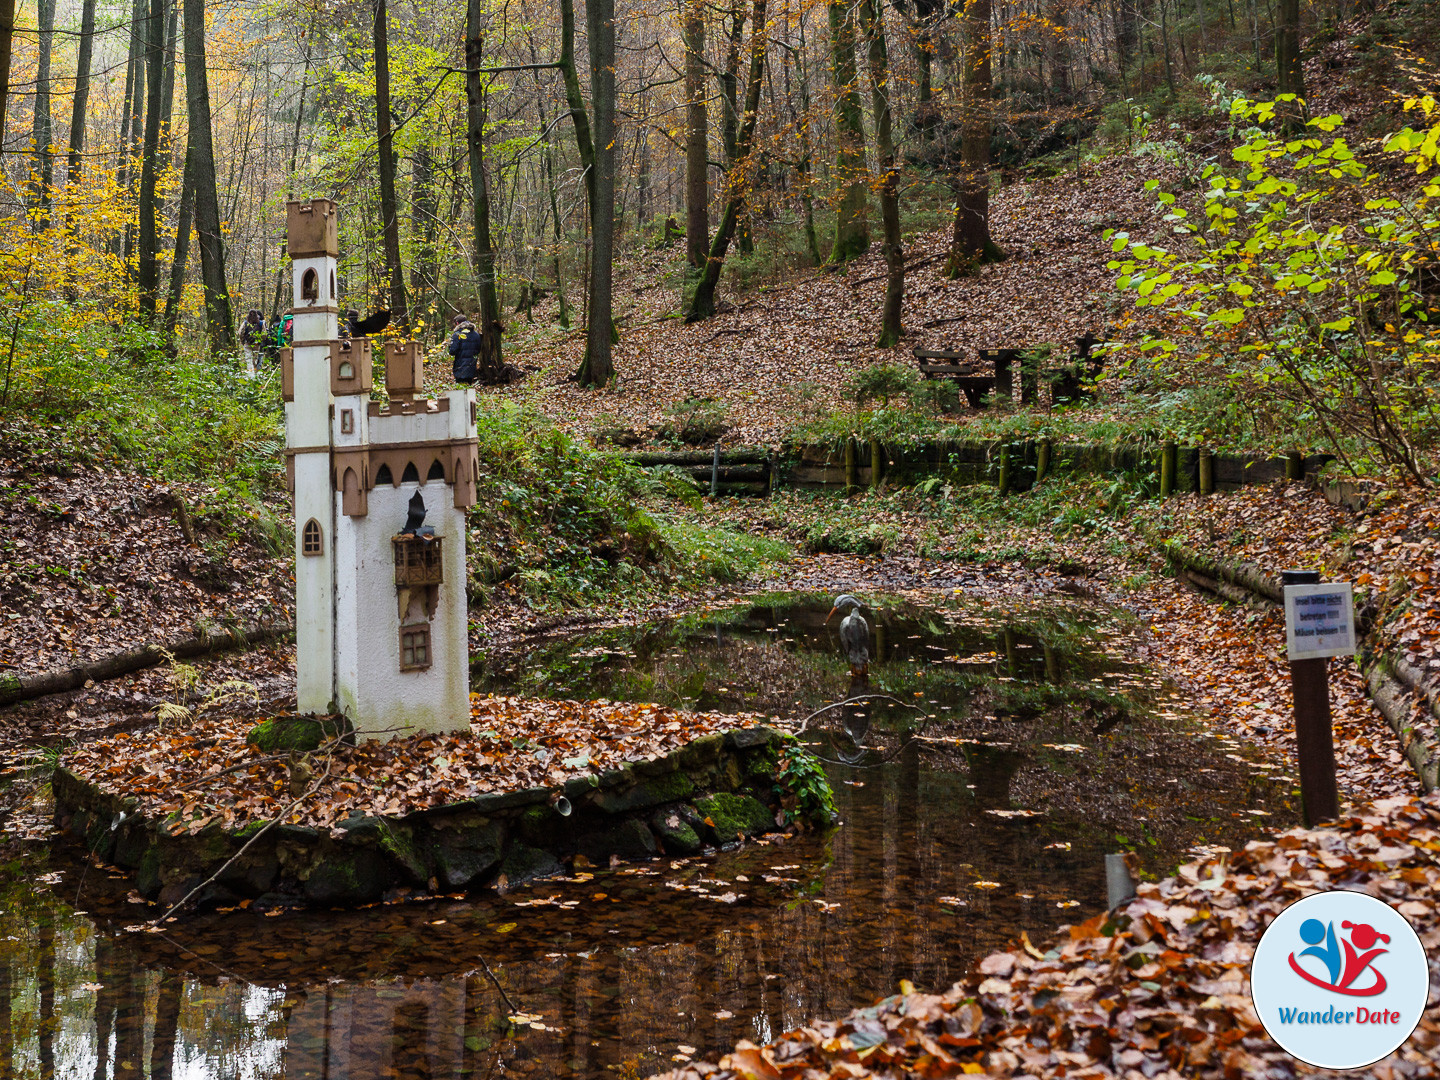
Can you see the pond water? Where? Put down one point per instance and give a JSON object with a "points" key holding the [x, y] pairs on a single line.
{"points": [[1030, 743]]}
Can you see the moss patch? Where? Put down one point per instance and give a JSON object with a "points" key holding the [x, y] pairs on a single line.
{"points": [[730, 817], [676, 831], [655, 791], [295, 734], [529, 864]]}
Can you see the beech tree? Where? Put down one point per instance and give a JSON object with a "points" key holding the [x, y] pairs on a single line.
{"points": [[201, 154], [148, 266], [852, 225], [491, 356], [873, 25], [389, 208], [41, 133], [702, 301], [697, 156], [598, 367], [970, 242]]}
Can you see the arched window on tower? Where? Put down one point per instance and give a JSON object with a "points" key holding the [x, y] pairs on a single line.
{"points": [[312, 540], [310, 285]]}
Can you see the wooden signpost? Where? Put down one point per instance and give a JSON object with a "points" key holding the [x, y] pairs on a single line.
{"points": [[1319, 624]]}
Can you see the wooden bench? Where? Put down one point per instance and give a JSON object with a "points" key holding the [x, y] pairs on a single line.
{"points": [[942, 364]]}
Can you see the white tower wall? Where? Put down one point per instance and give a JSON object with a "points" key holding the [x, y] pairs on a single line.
{"points": [[382, 700]]}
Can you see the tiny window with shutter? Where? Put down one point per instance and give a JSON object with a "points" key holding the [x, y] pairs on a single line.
{"points": [[347, 421], [312, 540], [347, 369], [415, 647]]}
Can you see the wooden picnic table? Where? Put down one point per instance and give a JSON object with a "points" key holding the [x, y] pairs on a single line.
{"points": [[991, 370], [942, 364]]}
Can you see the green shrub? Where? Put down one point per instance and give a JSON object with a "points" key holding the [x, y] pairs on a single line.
{"points": [[695, 421], [568, 524], [880, 382]]}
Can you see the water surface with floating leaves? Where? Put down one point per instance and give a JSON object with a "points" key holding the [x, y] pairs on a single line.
{"points": [[1022, 744]]}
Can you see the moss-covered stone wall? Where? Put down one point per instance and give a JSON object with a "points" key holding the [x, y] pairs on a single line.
{"points": [[711, 792]]}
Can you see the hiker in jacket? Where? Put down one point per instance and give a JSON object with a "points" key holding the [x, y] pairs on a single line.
{"points": [[465, 347]]}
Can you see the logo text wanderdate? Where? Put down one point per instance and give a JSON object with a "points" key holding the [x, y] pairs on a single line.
{"points": [[1333, 1015]]}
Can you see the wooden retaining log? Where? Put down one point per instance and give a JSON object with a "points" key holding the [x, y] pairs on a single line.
{"points": [[1237, 573], [28, 687]]}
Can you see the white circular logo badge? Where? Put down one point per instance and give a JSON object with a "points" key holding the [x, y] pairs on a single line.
{"points": [[1339, 979]]}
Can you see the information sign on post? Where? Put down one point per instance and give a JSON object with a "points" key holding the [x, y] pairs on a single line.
{"points": [[1319, 620], [1319, 624]]}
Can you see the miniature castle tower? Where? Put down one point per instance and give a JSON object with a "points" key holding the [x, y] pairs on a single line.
{"points": [[380, 614]]}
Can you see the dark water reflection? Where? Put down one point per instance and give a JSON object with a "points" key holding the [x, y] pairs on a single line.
{"points": [[1046, 750]]}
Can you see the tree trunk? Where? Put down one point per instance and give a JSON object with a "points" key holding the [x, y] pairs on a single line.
{"points": [[41, 130], [872, 23], [1289, 76], [573, 98], [702, 304], [7, 40], [852, 226], [78, 119], [697, 159], [642, 168], [581, 122], [805, 168], [730, 107], [970, 242], [559, 234], [167, 97], [79, 107], [148, 264], [201, 152], [548, 163], [131, 141], [182, 251], [1127, 36], [598, 368], [1165, 41], [927, 17], [1058, 37], [490, 360], [424, 216], [281, 278], [389, 209]]}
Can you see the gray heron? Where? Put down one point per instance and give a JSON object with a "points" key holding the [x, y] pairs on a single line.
{"points": [[854, 634]]}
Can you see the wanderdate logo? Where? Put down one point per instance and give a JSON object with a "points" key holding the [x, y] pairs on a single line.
{"points": [[1317, 958], [1343, 971]]}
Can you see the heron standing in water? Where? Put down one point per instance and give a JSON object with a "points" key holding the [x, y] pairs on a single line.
{"points": [[854, 634]]}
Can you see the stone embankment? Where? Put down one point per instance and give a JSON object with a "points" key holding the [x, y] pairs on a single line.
{"points": [[709, 793]]}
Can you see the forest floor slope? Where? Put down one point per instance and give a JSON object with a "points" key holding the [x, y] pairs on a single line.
{"points": [[780, 355]]}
